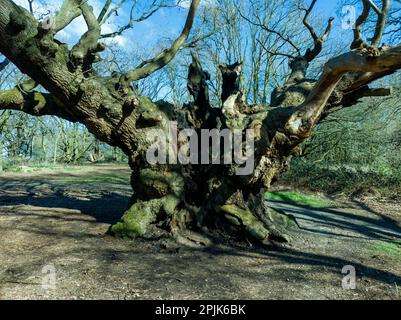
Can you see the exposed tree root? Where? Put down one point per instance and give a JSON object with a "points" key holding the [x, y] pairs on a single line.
{"points": [[166, 215]]}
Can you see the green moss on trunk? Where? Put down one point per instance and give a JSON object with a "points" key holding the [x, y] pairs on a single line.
{"points": [[136, 222]]}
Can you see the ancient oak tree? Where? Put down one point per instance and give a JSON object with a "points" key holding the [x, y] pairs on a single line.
{"points": [[169, 198]]}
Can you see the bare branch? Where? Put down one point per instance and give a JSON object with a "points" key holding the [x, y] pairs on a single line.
{"points": [[30, 3], [374, 6], [306, 22], [70, 9], [317, 41], [275, 53], [358, 40], [104, 11], [152, 10], [267, 29], [89, 41], [111, 12], [163, 58], [381, 23], [195, 41], [318, 44], [353, 97], [307, 115], [33, 103], [375, 92]]}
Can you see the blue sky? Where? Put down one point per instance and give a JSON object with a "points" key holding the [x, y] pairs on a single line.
{"points": [[327, 6], [166, 23]]}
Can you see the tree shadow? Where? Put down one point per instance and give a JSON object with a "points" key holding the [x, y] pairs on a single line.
{"points": [[330, 263], [104, 205], [366, 222]]}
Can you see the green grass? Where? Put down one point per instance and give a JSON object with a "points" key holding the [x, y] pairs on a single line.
{"points": [[118, 179], [297, 199], [122, 178], [37, 168], [389, 247], [347, 179]]}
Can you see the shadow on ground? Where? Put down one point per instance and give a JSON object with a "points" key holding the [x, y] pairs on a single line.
{"points": [[43, 221]]}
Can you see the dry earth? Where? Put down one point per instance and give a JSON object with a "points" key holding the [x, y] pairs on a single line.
{"points": [[59, 218]]}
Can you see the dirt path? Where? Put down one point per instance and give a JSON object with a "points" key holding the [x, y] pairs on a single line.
{"points": [[59, 219]]}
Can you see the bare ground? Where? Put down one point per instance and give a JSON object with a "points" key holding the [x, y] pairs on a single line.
{"points": [[60, 218]]}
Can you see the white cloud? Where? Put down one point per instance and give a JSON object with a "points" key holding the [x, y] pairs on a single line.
{"points": [[40, 8], [76, 28], [187, 3], [119, 40]]}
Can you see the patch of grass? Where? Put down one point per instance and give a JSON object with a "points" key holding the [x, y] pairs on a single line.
{"points": [[388, 247], [118, 179], [37, 168], [13, 169], [347, 179], [297, 199], [69, 169]]}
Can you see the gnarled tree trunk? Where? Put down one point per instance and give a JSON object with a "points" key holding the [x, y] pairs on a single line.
{"points": [[172, 197]]}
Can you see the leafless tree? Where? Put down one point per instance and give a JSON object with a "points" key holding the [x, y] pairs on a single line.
{"points": [[176, 197]]}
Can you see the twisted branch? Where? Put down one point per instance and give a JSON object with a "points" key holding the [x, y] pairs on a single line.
{"points": [[162, 59]]}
